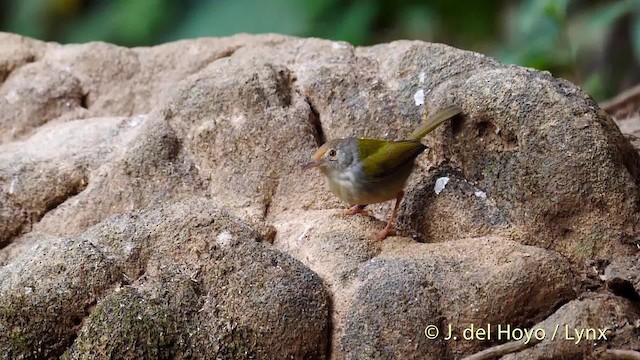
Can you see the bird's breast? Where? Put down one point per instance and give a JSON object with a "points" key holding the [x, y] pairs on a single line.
{"points": [[354, 187], [344, 184]]}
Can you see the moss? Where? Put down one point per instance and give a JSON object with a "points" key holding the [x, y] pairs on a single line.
{"points": [[217, 336], [130, 324], [585, 248], [18, 339], [32, 331], [127, 325]]}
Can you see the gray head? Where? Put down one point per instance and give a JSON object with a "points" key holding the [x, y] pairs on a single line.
{"points": [[335, 156]]}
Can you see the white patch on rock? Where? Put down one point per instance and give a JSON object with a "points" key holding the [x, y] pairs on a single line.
{"points": [[12, 187], [440, 184], [224, 238], [421, 77], [304, 233], [12, 97], [338, 45], [480, 194], [127, 248], [137, 120], [238, 120], [418, 97]]}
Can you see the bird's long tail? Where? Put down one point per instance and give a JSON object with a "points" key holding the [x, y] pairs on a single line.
{"points": [[433, 122]]}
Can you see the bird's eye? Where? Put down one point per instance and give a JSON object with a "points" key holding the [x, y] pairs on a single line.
{"points": [[332, 153]]}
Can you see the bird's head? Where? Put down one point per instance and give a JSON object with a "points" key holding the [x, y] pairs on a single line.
{"points": [[334, 156]]}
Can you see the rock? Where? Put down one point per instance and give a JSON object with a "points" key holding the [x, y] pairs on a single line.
{"points": [[189, 280], [15, 51], [165, 164], [446, 195], [502, 143], [508, 156], [622, 277], [410, 286], [389, 313], [152, 168], [234, 90], [49, 82], [46, 292], [630, 126], [334, 246], [634, 140], [52, 166], [37, 93], [225, 117], [608, 322], [385, 294], [624, 109]]}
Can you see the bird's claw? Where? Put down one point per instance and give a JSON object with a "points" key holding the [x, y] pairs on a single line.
{"points": [[356, 210], [383, 234]]}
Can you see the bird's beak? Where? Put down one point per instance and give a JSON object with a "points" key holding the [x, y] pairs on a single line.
{"points": [[311, 165], [316, 158]]}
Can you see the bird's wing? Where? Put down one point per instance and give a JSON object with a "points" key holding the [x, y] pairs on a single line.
{"points": [[381, 158], [434, 121]]}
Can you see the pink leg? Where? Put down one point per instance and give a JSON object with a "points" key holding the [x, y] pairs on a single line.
{"points": [[388, 230], [356, 209]]}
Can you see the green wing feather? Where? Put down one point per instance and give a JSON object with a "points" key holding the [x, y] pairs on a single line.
{"points": [[381, 158], [437, 119]]}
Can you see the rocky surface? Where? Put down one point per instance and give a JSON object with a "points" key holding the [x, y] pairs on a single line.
{"points": [[179, 280], [153, 205], [572, 335], [625, 109]]}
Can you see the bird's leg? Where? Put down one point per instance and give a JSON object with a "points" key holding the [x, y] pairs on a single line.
{"points": [[388, 230], [356, 209]]}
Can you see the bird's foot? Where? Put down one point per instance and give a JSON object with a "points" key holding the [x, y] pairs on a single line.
{"points": [[357, 209], [384, 233]]}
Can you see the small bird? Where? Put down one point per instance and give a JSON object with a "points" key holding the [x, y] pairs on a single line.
{"points": [[364, 171]]}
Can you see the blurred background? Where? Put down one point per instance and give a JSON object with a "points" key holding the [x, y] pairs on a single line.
{"points": [[593, 43]]}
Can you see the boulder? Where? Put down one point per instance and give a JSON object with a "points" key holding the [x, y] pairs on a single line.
{"points": [[153, 202], [179, 280], [385, 295], [584, 328]]}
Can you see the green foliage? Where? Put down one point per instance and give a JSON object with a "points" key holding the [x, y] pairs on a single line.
{"points": [[121, 21], [227, 17], [595, 43]]}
